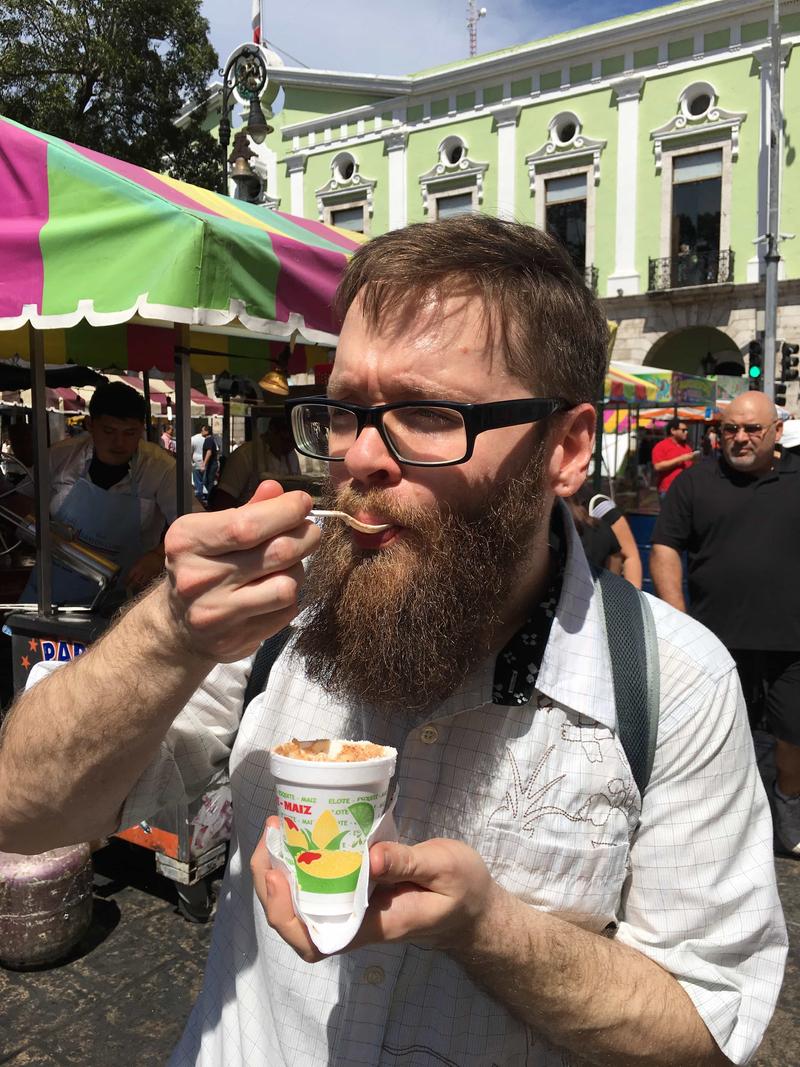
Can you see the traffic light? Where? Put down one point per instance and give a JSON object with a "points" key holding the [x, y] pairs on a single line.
{"points": [[755, 368], [789, 362], [780, 394]]}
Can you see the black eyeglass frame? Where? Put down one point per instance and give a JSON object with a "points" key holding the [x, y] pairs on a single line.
{"points": [[477, 418]]}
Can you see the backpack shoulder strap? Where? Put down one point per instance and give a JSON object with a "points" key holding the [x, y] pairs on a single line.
{"points": [[263, 663], [633, 646]]}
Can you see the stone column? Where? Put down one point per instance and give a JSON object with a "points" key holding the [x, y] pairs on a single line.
{"points": [[395, 142], [625, 277], [295, 168], [505, 122]]}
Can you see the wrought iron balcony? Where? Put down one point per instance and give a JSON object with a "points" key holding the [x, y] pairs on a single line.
{"points": [[691, 268], [590, 276]]}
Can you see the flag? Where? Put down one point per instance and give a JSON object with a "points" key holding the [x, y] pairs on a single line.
{"points": [[256, 20]]}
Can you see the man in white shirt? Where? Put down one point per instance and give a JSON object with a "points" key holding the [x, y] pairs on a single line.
{"points": [[270, 455], [116, 490], [197, 441], [535, 907]]}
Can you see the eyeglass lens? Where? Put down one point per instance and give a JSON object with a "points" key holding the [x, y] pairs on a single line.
{"points": [[417, 434]]}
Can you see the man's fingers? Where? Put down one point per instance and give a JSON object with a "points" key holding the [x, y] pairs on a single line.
{"points": [[236, 569], [219, 532], [391, 863]]}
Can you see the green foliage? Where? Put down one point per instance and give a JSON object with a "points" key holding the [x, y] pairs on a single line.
{"points": [[112, 75]]}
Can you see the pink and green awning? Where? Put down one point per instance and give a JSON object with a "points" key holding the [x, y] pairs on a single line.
{"points": [[89, 240]]}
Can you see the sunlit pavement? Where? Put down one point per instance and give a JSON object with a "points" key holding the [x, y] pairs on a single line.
{"points": [[124, 995]]}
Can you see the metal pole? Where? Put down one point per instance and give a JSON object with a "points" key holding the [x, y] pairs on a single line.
{"points": [[41, 465], [183, 420], [772, 255], [226, 427], [150, 431], [225, 129]]}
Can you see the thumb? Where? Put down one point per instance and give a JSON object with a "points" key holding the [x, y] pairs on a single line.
{"points": [[391, 863], [267, 490]]}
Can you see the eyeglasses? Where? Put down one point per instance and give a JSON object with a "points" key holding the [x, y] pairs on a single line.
{"points": [[433, 433], [752, 429]]}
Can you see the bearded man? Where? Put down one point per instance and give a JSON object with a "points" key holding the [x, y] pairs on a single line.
{"points": [[535, 906]]}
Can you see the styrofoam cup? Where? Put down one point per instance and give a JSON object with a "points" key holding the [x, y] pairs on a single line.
{"points": [[327, 810]]}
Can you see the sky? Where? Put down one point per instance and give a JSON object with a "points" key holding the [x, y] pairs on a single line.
{"points": [[370, 36]]}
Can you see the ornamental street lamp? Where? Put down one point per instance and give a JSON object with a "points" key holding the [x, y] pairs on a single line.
{"points": [[246, 76]]}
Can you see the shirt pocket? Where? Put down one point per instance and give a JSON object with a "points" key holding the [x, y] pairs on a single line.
{"points": [[577, 877]]}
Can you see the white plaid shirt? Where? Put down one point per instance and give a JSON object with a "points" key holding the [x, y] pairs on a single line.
{"points": [[544, 793]]}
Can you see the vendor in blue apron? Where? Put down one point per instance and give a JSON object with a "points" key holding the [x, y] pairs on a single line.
{"points": [[117, 491]]}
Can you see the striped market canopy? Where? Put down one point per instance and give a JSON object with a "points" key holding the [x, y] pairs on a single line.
{"points": [[103, 253]]}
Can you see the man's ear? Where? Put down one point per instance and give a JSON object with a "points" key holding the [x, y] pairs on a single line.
{"points": [[571, 449]]}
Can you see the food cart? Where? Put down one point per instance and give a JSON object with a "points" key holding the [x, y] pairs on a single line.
{"points": [[110, 266]]}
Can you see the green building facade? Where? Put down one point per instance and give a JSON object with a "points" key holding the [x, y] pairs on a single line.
{"points": [[641, 142]]}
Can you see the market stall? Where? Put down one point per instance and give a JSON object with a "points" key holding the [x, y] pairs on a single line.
{"points": [[110, 266]]}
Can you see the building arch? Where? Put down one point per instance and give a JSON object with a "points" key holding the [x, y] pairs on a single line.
{"points": [[685, 349]]}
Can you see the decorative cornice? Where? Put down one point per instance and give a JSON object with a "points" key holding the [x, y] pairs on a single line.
{"points": [[506, 116], [443, 174], [395, 140], [629, 89], [578, 149], [716, 120], [295, 163], [334, 191], [763, 56]]}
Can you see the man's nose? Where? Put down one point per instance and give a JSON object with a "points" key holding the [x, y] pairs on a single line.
{"points": [[369, 461]]}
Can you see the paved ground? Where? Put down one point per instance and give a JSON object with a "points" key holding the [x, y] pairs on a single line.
{"points": [[123, 997]]}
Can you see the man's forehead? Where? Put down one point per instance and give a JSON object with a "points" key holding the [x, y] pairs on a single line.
{"points": [[755, 408], [112, 422], [446, 339]]}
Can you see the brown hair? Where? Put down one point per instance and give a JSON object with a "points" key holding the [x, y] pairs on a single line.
{"points": [[553, 330]]}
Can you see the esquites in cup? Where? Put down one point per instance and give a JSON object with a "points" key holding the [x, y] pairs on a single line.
{"points": [[331, 793]]}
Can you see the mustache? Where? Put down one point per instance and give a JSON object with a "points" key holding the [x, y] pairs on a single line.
{"points": [[414, 517]]}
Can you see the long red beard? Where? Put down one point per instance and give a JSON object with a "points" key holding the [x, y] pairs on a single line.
{"points": [[400, 628]]}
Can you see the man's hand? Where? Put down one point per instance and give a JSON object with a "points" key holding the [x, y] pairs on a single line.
{"points": [[234, 576], [435, 894], [145, 569]]}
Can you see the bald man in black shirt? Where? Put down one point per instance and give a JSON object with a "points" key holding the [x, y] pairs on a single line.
{"points": [[738, 517]]}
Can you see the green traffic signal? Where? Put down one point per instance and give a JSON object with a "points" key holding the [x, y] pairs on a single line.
{"points": [[754, 371]]}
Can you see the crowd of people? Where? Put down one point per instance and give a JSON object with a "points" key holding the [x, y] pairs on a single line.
{"points": [[542, 900]]}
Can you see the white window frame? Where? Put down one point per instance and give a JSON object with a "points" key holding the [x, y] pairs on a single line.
{"points": [[434, 198], [726, 188], [540, 206], [331, 207]]}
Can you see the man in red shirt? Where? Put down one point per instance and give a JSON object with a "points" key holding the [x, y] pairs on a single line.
{"points": [[672, 455]]}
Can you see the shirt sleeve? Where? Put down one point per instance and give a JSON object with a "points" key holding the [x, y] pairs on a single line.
{"points": [[701, 898], [674, 523], [196, 748]]}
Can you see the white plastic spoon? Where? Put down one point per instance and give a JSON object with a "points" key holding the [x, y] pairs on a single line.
{"points": [[364, 527]]}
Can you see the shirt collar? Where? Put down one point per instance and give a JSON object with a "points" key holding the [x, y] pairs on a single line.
{"points": [[576, 667]]}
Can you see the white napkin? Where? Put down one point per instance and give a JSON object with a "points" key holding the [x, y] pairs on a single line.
{"points": [[331, 934]]}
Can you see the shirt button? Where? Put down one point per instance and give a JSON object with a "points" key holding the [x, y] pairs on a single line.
{"points": [[374, 975], [429, 735]]}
